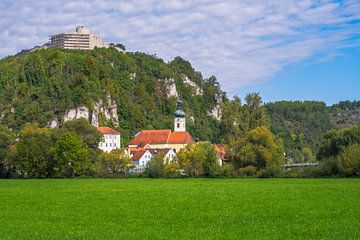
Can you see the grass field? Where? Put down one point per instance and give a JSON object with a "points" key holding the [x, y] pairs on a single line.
{"points": [[180, 209]]}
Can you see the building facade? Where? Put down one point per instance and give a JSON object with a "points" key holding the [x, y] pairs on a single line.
{"points": [[80, 38], [110, 140]]}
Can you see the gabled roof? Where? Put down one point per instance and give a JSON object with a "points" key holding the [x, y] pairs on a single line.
{"points": [[160, 137], [179, 137], [138, 154], [107, 130]]}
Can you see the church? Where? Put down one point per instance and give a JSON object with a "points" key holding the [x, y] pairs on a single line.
{"points": [[165, 138]]}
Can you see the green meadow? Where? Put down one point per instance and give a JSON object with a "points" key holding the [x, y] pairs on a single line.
{"points": [[180, 209]]}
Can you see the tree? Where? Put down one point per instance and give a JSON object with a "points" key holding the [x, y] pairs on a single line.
{"points": [[198, 159], [335, 142], [32, 155], [350, 160], [113, 163], [258, 148], [88, 133], [70, 155], [6, 140], [155, 166]]}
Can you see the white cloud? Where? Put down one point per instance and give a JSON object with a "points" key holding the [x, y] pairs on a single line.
{"points": [[241, 42]]}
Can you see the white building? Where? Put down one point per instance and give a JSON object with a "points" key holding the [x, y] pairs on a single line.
{"points": [[80, 38], [110, 140], [143, 156]]}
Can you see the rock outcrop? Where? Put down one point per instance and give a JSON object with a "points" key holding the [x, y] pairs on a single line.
{"points": [[170, 86], [108, 109], [189, 82]]}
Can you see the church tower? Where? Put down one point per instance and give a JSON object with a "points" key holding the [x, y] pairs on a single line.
{"points": [[179, 120]]}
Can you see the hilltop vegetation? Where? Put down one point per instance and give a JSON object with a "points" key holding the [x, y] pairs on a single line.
{"points": [[44, 85]]}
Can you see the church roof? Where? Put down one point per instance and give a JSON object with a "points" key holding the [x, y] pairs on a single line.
{"points": [[179, 110], [160, 137]]}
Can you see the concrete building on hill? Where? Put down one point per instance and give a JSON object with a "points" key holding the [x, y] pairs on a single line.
{"points": [[80, 38]]}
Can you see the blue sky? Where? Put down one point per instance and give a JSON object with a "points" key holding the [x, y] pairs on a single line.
{"points": [[284, 49]]}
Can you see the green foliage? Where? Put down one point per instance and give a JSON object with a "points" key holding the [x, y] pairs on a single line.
{"points": [[350, 160], [7, 138], [88, 133], [345, 113], [42, 85], [199, 159], [258, 148], [238, 119], [154, 168], [335, 142], [112, 164], [301, 125], [70, 156], [247, 171], [32, 153], [172, 169]]}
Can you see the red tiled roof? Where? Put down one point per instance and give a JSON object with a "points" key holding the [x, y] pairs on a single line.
{"points": [[160, 137], [107, 130], [150, 137], [179, 137], [220, 150], [138, 154]]}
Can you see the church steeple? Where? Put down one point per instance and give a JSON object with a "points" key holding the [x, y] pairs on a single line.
{"points": [[179, 120]]}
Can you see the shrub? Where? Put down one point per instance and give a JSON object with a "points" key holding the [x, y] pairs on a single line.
{"points": [[154, 168], [172, 170], [227, 170], [330, 167], [270, 171], [350, 160], [247, 171]]}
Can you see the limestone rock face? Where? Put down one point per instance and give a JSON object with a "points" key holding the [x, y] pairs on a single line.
{"points": [[189, 82], [108, 109], [170, 86], [216, 111]]}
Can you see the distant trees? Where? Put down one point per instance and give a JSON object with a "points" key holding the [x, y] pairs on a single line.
{"points": [[71, 156], [199, 160], [7, 139], [238, 119], [350, 159], [32, 153], [258, 148], [43, 152], [301, 125], [155, 166], [112, 164]]}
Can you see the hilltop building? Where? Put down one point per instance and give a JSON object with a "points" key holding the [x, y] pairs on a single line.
{"points": [[111, 139], [80, 38]]}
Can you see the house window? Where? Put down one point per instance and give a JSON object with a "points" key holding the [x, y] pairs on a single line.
{"points": [[106, 144], [178, 125], [101, 144]]}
